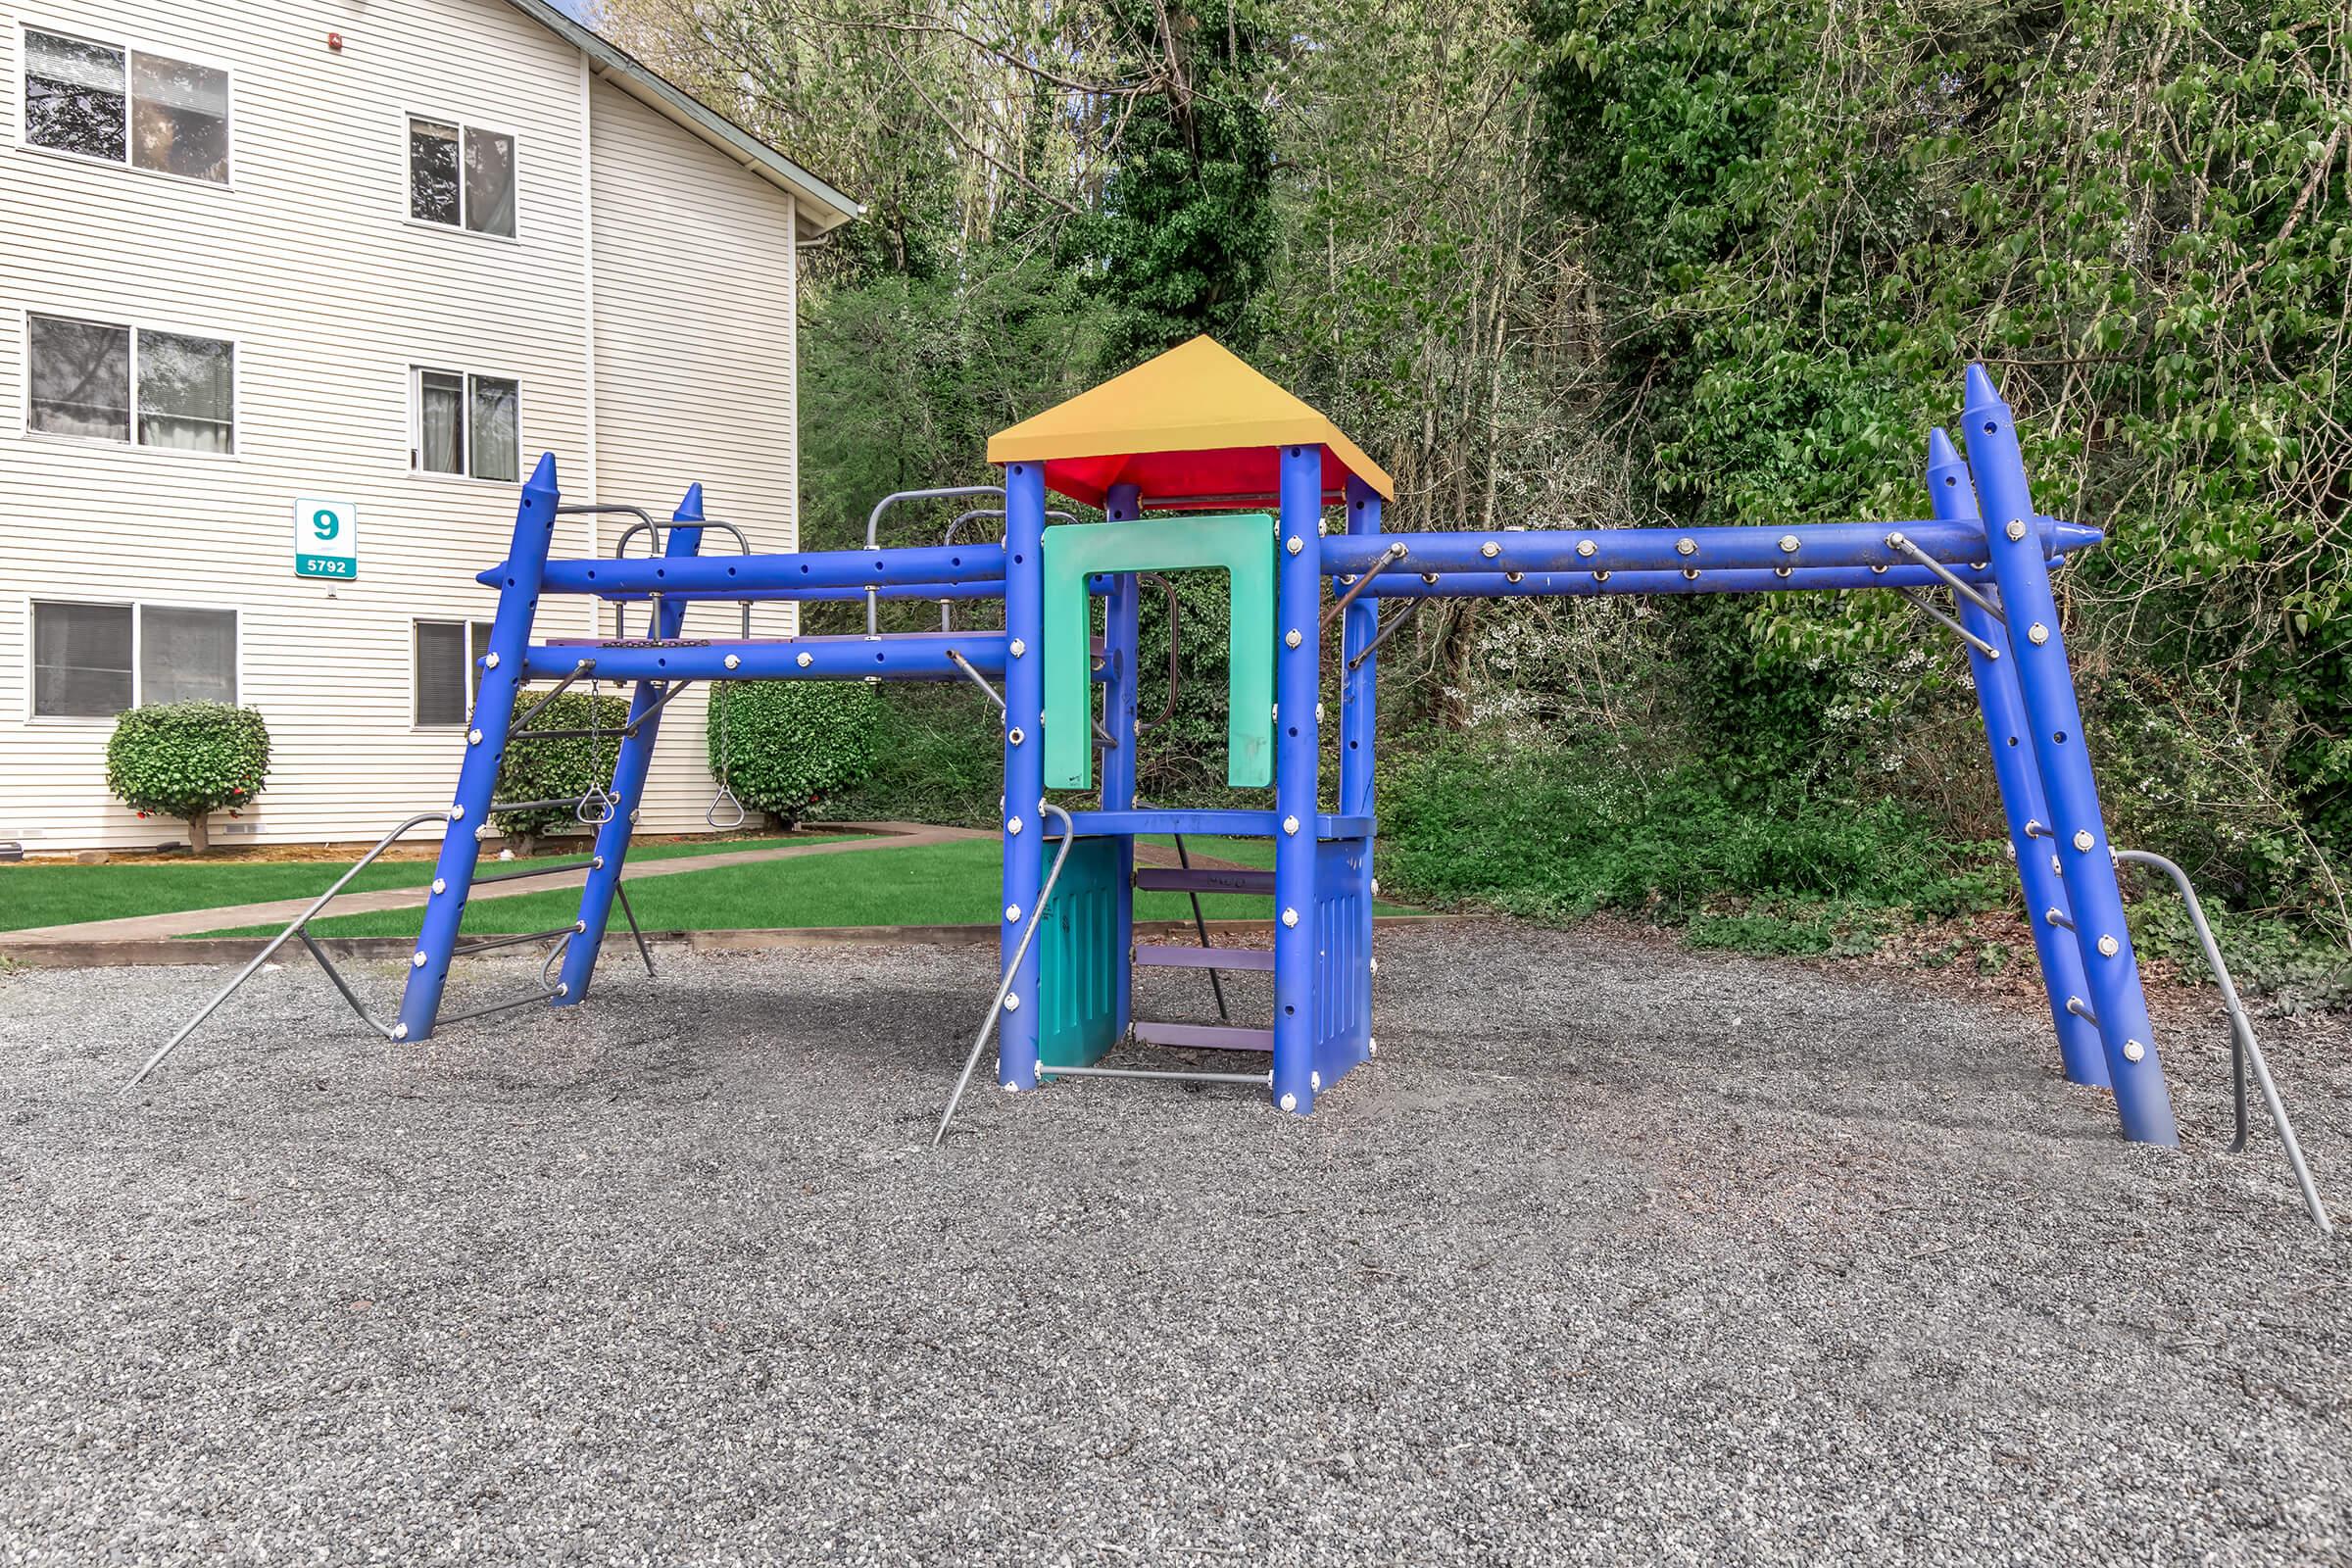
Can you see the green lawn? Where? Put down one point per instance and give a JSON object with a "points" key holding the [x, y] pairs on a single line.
{"points": [[56, 895], [939, 884]]}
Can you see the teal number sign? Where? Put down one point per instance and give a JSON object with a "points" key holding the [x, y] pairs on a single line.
{"points": [[327, 537]]}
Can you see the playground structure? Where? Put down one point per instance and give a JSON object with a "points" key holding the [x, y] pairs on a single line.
{"points": [[1238, 476]]}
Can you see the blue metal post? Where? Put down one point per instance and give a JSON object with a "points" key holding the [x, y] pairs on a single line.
{"points": [[1122, 644], [628, 779], [2019, 778], [2047, 689], [1297, 689], [501, 670], [1024, 764]]}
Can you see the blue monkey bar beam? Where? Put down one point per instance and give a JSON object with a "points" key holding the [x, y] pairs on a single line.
{"points": [[1675, 550], [900, 656], [1696, 580], [814, 569]]}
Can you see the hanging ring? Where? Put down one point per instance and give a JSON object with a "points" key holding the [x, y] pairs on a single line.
{"points": [[725, 800]]}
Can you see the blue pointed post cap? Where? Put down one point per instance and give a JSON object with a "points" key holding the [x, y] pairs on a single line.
{"points": [[543, 477], [1981, 393], [2067, 537], [1941, 453], [690, 508]]}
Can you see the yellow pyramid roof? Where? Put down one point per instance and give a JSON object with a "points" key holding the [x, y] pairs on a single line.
{"points": [[1194, 423]]}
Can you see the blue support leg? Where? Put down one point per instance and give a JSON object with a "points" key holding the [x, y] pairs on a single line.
{"points": [[2047, 687], [1122, 640], [1297, 683], [1024, 764], [1954, 500], [500, 670], [629, 771]]}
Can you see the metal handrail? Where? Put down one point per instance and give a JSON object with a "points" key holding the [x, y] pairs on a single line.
{"points": [[294, 927], [2245, 1050], [873, 527], [996, 1008]]}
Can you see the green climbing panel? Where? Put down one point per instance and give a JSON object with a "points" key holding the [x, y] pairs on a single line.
{"points": [[1244, 545], [1080, 967]]}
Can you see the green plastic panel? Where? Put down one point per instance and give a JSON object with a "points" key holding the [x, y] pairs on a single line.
{"points": [[1080, 967], [1241, 544]]}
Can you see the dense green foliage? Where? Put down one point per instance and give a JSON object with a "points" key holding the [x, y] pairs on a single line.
{"points": [[1650, 261], [563, 770], [782, 745], [188, 760]]}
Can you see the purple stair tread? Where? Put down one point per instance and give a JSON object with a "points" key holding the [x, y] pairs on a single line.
{"points": [[1171, 956], [1202, 879], [1202, 1036]]}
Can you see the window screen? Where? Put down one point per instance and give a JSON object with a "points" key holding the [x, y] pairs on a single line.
{"points": [[75, 97], [187, 655], [448, 652], [81, 660], [80, 376]]}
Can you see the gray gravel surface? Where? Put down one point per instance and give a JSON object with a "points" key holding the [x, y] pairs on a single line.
{"points": [[1617, 1252]]}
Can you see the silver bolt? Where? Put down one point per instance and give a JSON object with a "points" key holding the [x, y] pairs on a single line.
{"points": [[2053, 914], [1790, 544], [1290, 1102], [2083, 840], [473, 737], [562, 988], [1293, 544], [1012, 1003], [2134, 1050], [1372, 964], [1371, 1046], [1019, 648], [417, 959], [1012, 1089], [633, 816], [1602, 575], [2038, 634], [1430, 577], [1015, 736], [1012, 911], [1322, 527], [1292, 638], [734, 662], [2109, 946], [440, 885], [1290, 917], [2012, 849], [579, 926], [1513, 577], [597, 864], [489, 661], [804, 660], [1289, 824], [1318, 711], [1314, 1081], [1686, 547], [2056, 867], [1489, 549], [2016, 529], [1014, 826], [400, 1031], [1587, 548], [456, 813], [1376, 887]]}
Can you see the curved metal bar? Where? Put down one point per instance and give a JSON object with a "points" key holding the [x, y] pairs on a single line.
{"points": [[947, 608], [2241, 1034], [1168, 586], [293, 928], [996, 1008], [873, 524]]}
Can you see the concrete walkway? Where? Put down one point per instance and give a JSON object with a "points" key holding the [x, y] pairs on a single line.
{"points": [[189, 923]]}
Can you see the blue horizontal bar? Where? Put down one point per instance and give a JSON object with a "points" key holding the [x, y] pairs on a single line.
{"points": [[1397, 583], [816, 568], [1613, 550], [1232, 821], [902, 656]]}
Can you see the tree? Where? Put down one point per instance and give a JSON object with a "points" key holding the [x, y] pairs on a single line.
{"points": [[188, 760]]}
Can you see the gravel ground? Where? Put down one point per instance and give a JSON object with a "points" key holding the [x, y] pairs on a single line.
{"points": [[1617, 1252]]}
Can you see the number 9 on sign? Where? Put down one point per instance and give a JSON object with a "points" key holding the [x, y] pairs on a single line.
{"points": [[327, 537]]}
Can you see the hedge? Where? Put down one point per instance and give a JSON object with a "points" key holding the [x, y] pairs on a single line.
{"points": [[781, 745]]}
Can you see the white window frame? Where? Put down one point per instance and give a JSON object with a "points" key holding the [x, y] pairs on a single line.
{"points": [[407, 175], [417, 371], [139, 609], [236, 385], [129, 46], [473, 673]]}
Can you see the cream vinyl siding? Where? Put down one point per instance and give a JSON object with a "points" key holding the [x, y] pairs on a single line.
{"points": [[309, 262], [694, 308]]}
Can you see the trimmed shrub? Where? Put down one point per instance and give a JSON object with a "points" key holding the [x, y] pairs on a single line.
{"points": [[559, 769], [781, 745], [188, 760]]}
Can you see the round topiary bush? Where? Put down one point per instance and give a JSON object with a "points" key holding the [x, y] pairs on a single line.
{"points": [[188, 760], [559, 769], [782, 745]]}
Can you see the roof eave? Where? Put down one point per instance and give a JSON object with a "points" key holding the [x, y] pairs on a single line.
{"points": [[819, 206]]}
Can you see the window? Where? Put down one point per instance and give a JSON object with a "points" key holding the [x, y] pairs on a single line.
{"points": [[126, 106], [462, 176], [448, 654], [468, 425], [82, 374], [94, 660]]}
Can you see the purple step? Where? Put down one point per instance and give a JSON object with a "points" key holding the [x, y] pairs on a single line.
{"points": [[1202, 879], [1168, 955], [1202, 1036]]}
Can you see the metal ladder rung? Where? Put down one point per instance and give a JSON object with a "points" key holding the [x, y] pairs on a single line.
{"points": [[498, 1006], [540, 870], [1169, 955], [1202, 1036], [516, 940]]}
